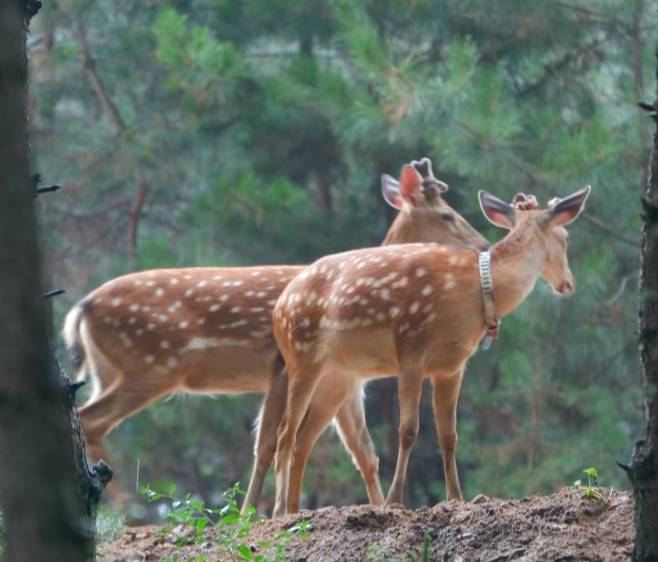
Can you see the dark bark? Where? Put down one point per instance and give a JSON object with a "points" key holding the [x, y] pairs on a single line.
{"points": [[323, 192], [48, 495], [143, 189], [643, 471]]}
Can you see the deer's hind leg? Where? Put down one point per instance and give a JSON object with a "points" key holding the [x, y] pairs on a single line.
{"points": [[125, 396], [353, 431], [270, 416], [344, 401], [328, 397], [301, 384]]}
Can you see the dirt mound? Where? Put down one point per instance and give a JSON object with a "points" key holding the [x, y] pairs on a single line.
{"points": [[564, 526]]}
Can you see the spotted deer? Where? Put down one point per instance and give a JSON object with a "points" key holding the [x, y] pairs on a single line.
{"points": [[209, 330], [414, 311]]}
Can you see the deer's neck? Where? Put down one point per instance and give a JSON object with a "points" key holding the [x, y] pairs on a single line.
{"points": [[401, 231], [516, 263]]}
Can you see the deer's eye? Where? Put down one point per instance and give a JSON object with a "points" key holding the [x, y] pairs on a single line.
{"points": [[447, 217]]}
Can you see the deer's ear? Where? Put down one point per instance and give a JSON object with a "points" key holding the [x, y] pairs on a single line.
{"points": [[565, 211], [410, 182], [496, 210], [391, 191]]}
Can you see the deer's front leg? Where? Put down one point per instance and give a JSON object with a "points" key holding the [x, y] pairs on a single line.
{"points": [[410, 382], [446, 395]]}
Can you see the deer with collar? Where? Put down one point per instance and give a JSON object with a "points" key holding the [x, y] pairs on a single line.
{"points": [[413, 311]]}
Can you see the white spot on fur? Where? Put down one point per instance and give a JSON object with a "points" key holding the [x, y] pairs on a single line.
{"points": [[205, 343], [393, 311], [449, 281], [116, 301], [184, 324], [172, 362], [164, 344], [202, 283], [427, 289], [159, 292], [215, 307], [134, 307], [420, 272], [189, 292], [235, 309], [173, 281], [149, 359], [414, 307]]}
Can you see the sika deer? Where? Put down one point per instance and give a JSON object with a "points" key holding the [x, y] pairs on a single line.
{"points": [[415, 311], [145, 335]]}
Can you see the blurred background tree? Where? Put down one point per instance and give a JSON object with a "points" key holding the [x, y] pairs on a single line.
{"points": [[197, 132]]}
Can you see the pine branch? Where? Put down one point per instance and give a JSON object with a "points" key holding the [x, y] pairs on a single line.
{"points": [[609, 230], [89, 65]]}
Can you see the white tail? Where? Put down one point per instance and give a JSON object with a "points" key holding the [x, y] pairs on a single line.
{"points": [[71, 335], [209, 330], [415, 311]]}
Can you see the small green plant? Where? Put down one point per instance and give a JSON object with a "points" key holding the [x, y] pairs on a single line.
{"points": [[589, 491], [227, 526]]}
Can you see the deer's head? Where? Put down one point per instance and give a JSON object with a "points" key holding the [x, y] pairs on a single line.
{"points": [[546, 225], [424, 215]]}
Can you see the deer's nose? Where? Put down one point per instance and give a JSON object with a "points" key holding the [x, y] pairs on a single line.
{"points": [[567, 287]]}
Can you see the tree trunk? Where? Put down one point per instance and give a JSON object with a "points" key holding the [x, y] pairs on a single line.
{"points": [[643, 471], [48, 495]]}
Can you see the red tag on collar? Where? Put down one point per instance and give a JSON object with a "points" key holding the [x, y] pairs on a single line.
{"points": [[490, 335]]}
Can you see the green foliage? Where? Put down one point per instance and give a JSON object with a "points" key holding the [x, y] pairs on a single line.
{"points": [[226, 525]]}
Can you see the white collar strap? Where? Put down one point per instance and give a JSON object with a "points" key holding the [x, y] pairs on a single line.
{"points": [[491, 320]]}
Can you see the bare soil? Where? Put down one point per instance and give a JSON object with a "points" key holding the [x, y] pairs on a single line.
{"points": [[561, 527]]}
